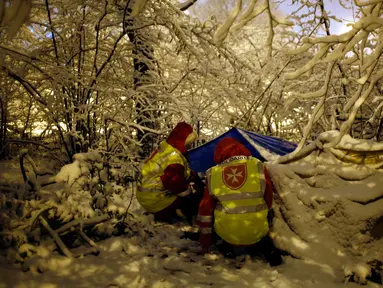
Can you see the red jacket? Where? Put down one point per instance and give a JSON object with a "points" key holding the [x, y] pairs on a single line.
{"points": [[226, 148]]}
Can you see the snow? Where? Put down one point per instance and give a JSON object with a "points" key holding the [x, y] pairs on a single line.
{"points": [[69, 173], [360, 269], [327, 210], [163, 260], [327, 215], [349, 143], [223, 30]]}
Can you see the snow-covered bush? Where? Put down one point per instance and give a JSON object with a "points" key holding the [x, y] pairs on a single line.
{"points": [[91, 189], [85, 190]]}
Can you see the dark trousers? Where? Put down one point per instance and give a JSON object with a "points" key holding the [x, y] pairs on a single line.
{"points": [[188, 205], [265, 247]]}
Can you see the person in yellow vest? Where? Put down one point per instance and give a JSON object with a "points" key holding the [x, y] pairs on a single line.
{"points": [[236, 203], [164, 188]]}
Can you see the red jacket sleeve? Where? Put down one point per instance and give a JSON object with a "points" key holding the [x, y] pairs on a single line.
{"points": [[174, 178], [205, 218], [268, 195]]}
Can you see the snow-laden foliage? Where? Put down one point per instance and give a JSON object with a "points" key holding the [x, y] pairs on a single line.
{"points": [[329, 205], [93, 190], [99, 77], [349, 96], [332, 81], [117, 76]]}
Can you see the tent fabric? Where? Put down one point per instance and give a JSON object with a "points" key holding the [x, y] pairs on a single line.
{"points": [[202, 157]]}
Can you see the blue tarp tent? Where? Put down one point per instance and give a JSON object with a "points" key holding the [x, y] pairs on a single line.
{"points": [[202, 157]]}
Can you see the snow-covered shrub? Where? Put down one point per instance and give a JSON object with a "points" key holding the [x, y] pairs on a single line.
{"points": [[84, 189], [91, 190]]}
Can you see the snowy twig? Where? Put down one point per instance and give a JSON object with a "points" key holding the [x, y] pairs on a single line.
{"points": [[345, 127], [223, 30], [89, 221], [23, 172], [263, 93], [27, 85], [130, 203], [179, 82], [319, 108], [97, 28], [52, 31], [56, 237], [36, 217], [134, 125], [249, 15]]}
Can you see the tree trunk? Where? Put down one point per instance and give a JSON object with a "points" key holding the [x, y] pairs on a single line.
{"points": [[3, 126], [143, 55], [24, 134], [380, 130]]}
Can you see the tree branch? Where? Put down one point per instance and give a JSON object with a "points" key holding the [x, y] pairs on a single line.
{"points": [[186, 5], [53, 34], [94, 81], [262, 94], [27, 85], [136, 126], [97, 36]]}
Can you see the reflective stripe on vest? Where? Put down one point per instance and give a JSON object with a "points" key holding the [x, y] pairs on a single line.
{"points": [[151, 193], [240, 216], [241, 209], [245, 195]]}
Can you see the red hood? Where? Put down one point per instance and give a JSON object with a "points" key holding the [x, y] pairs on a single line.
{"points": [[227, 148], [178, 136]]}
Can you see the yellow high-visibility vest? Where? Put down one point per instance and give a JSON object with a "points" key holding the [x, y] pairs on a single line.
{"points": [[151, 193], [240, 217]]}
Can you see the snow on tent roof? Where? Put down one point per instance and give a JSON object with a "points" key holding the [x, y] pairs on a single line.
{"points": [[260, 146]]}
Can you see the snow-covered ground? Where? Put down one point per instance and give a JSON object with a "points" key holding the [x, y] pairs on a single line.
{"points": [[329, 217], [165, 260]]}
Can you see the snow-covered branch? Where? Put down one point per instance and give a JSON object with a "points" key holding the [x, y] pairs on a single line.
{"points": [[136, 126]]}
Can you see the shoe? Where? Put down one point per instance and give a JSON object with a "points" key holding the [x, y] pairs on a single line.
{"points": [[275, 258]]}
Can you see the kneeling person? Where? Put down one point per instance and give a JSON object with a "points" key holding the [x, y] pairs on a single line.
{"points": [[236, 202], [164, 187]]}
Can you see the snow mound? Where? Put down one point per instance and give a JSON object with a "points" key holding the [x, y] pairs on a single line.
{"points": [[329, 211]]}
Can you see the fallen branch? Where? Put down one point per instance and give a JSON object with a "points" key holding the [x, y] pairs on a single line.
{"points": [[50, 181], [87, 239], [56, 237], [89, 221]]}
